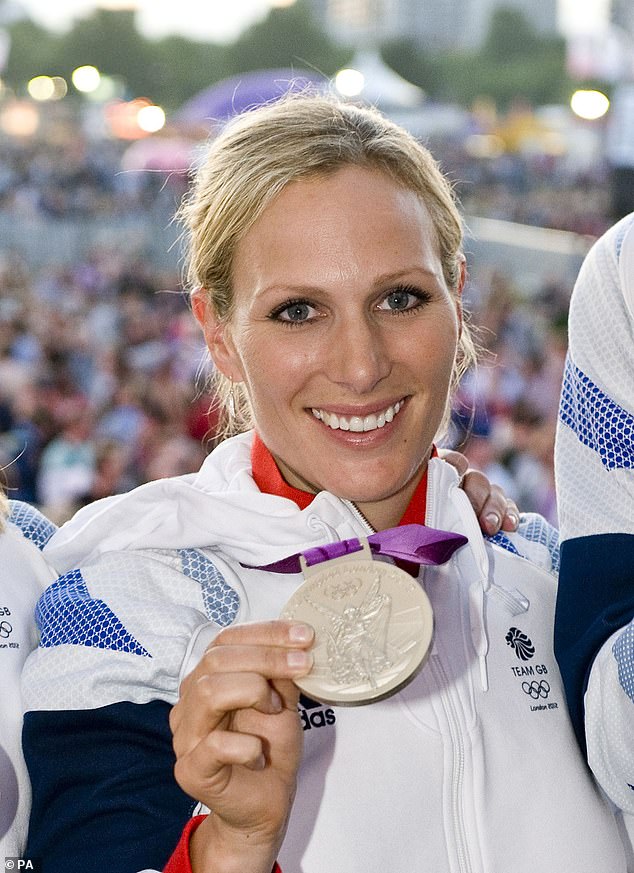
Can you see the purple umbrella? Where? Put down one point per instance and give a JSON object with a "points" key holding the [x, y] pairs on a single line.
{"points": [[238, 94]]}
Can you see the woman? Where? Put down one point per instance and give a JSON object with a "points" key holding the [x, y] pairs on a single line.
{"points": [[326, 267], [23, 576]]}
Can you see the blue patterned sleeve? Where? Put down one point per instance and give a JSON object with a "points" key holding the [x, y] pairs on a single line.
{"points": [[33, 525]]}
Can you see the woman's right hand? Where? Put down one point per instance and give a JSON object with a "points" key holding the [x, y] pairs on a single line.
{"points": [[238, 742]]}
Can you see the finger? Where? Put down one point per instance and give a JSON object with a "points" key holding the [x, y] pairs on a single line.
{"points": [[267, 633], [286, 634], [456, 459], [478, 489], [208, 761], [211, 699], [495, 510], [288, 693], [272, 662], [511, 519]]}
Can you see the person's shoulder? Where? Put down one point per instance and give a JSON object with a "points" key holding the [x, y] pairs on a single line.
{"points": [[535, 540], [32, 524]]}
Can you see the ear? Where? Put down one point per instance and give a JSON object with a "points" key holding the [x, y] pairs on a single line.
{"points": [[217, 336]]}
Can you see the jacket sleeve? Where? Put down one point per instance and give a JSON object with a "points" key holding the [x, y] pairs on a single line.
{"points": [[179, 861], [116, 638], [594, 468], [595, 599], [104, 795]]}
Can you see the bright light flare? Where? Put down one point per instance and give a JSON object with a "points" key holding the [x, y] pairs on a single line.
{"points": [[349, 82], [86, 79], [20, 118], [589, 105], [41, 88], [151, 118]]}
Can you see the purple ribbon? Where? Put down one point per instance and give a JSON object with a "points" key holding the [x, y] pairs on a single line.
{"points": [[412, 543]]}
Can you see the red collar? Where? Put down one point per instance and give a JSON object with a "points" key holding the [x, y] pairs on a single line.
{"points": [[268, 478]]}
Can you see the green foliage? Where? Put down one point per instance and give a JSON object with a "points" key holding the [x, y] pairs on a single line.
{"points": [[510, 37], [287, 37], [515, 61], [181, 68], [109, 41], [34, 52], [406, 58]]}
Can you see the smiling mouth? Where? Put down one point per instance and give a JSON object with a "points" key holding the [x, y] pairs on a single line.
{"points": [[358, 423]]}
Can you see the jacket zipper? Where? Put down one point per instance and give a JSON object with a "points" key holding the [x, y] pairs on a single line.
{"points": [[449, 706], [458, 765], [359, 515]]}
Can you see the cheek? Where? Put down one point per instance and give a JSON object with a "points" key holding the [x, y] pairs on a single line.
{"points": [[274, 367]]}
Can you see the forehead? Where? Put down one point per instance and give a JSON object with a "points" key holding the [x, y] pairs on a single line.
{"points": [[354, 214]]}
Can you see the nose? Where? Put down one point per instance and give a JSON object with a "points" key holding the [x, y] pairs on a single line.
{"points": [[359, 355]]}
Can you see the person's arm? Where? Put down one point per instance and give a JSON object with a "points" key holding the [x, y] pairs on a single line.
{"points": [[180, 861], [114, 638], [238, 743], [104, 795], [594, 465]]}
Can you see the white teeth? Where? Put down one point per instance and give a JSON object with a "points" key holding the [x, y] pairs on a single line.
{"points": [[355, 423]]}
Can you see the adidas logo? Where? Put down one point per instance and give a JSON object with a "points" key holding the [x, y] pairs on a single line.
{"points": [[313, 714]]}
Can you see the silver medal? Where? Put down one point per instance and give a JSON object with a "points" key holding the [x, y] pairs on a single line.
{"points": [[373, 628]]}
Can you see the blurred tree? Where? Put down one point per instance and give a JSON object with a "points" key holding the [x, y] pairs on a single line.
{"points": [[287, 37], [407, 58], [511, 36], [34, 51], [110, 41], [181, 68], [515, 62]]}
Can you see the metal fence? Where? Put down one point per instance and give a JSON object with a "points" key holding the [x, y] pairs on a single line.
{"points": [[528, 254]]}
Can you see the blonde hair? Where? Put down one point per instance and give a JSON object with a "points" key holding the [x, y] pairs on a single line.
{"points": [[301, 137], [4, 508]]}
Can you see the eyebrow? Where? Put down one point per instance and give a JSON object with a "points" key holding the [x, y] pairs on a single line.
{"points": [[382, 279]]}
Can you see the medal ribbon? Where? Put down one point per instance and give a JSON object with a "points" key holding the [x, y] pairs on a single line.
{"points": [[413, 543]]}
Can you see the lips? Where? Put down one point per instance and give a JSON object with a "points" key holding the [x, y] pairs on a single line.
{"points": [[358, 423]]}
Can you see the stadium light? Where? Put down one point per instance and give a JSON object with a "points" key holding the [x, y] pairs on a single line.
{"points": [[349, 83], [86, 79], [151, 118], [589, 105]]}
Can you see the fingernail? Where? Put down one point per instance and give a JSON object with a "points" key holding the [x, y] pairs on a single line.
{"points": [[276, 702], [298, 660], [514, 518], [300, 633], [492, 521]]}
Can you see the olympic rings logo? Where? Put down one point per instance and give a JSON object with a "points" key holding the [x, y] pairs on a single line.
{"points": [[536, 689], [5, 629]]}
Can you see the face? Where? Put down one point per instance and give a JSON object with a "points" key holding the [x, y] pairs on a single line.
{"points": [[344, 333]]}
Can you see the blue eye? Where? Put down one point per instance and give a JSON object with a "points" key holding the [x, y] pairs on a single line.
{"points": [[294, 312], [403, 300], [400, 300]]}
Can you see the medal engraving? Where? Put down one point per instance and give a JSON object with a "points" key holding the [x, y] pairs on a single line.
{"points": [[373, 628]]}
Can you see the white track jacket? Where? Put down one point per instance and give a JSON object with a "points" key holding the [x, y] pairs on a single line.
{"points": [[472, 768]]}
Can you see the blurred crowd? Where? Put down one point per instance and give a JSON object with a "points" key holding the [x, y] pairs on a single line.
{"points": [[103, 375]]}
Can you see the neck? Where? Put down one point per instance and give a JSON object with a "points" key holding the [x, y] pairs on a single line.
{"points": [[389, 511]]}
